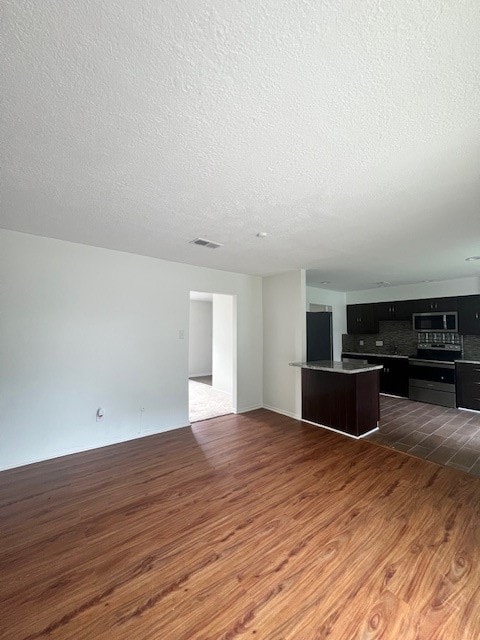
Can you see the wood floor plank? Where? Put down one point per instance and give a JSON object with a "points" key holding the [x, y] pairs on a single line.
{"points": [[254, 525]]}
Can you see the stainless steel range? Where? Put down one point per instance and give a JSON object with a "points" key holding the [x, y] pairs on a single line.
{"points": [[431, 372]]}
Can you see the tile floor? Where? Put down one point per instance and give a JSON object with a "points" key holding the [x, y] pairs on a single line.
{"points": [[447, 436]]}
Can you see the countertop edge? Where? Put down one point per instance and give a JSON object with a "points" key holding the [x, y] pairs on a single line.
{"points": [[373, 355], [363, 369], [389, 355]]}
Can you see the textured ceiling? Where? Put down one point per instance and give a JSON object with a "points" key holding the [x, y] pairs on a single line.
{"points": [[346, 130]]}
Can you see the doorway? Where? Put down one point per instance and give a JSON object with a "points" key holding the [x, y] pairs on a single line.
{"points": [[211, 355]]}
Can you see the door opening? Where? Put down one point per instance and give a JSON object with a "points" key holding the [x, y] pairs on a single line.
{"points": [[211, 356]]}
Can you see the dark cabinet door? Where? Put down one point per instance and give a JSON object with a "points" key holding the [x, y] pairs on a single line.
{"points": [[469, 315], [394, 376], [361, 319], [468, 386], [400, 310], [435, 304], [385, 311], [398, 372], [403, 310]]}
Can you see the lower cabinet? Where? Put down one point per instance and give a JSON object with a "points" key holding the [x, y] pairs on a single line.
{"points": [[468, 385], [393, 377]]}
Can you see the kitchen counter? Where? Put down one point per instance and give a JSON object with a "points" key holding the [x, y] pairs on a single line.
{"points": [[336, 367], [390, 355], [346, 403], [372, 355]]}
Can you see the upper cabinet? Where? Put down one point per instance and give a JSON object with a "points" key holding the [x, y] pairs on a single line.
{"points": [[400, 310], [361, 319], [364, 318], [469, 315], [434, 304]]}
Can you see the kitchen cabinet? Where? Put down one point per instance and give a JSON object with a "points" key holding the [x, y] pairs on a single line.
{"points": [[347, 402], [361, 319], [468, 385], [393, 377], [435, 304], [400, 310], [469, 315]]}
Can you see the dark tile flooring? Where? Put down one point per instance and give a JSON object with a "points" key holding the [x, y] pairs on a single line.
{"points": [[447, 436]]}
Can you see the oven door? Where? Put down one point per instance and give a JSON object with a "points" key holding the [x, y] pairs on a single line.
{"points": [[432, 382]]}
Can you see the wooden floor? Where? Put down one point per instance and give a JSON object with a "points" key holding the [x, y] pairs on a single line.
{"points": [[253, 526]]}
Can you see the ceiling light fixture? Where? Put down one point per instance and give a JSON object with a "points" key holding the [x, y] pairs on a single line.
{"points": [[382, 283], [262, 234], [471, 258], [325, 282]]}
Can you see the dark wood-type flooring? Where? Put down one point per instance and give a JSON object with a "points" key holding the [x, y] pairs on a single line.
{"points": [[250, 526], [443, 435]]}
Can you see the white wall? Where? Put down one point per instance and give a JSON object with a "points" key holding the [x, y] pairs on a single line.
{"points": [[458, 287], [284, 341], [83, 327], [337, 300], [223, 343], [200, 339]]}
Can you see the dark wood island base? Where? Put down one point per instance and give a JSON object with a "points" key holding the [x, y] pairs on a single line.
{"points": [[344, 396], [349, 403]]}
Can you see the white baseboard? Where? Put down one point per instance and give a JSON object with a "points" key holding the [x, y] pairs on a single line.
{"points": [[252, 408], [471, 410], [282, 412], [391, 395], [342, 433], [71, 452]]}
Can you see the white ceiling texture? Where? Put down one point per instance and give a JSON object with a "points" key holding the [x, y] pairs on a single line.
{"points": [[348, 131]]}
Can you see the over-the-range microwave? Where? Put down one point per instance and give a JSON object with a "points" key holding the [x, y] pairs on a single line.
{"points": [[439, 321]]}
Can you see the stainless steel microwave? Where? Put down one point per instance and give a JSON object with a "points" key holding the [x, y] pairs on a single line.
{"points": [[440, 321]]}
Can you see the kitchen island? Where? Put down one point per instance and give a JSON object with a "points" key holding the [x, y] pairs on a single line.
{"points": [[341, 395]]}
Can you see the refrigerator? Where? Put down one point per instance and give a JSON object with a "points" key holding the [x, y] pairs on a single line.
{"points": [[319, 336]]}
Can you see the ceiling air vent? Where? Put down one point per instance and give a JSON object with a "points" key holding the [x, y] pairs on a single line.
{"points": [[206, 243]]}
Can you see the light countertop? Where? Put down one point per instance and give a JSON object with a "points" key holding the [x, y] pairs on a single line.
{"points": [[389, 355], [336, 367], [376, 355]]}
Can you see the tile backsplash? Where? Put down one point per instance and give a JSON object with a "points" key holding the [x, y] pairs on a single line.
{"points": [[400, 335], [391, 332], [471, 347]]}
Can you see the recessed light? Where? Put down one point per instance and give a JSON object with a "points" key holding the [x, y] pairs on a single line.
{"points": [[326, 282], [472, 258], [262, 234], [382, 284]]}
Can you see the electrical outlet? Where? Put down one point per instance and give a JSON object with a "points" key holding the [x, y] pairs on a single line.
{"points": [[181, 334], [379, 343]]}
